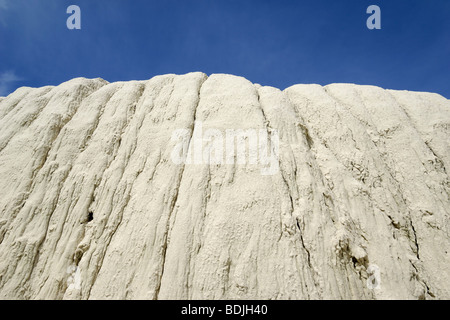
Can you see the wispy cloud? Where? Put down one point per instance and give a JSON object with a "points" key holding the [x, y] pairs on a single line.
{"points": [[7, 79], [3, 4]]}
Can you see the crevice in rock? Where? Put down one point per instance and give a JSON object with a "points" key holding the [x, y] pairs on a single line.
{"points": [[90, 216], [305, 131], [416, 276], [415, 239], [439, 161], [304, 247]]}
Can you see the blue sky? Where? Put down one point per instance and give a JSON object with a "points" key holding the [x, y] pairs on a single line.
{"points": [[277, 42]]}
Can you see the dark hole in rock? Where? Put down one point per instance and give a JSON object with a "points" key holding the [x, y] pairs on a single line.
{"points": [[90, 216]]}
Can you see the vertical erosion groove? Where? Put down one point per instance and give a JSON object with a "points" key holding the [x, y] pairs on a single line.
{"points": [[175, 198]]}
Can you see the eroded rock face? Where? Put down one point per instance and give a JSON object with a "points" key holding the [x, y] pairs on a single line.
{"points": [[92, 205]]}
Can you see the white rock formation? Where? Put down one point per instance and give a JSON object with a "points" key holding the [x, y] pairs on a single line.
{"points": [[93, 207]]}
